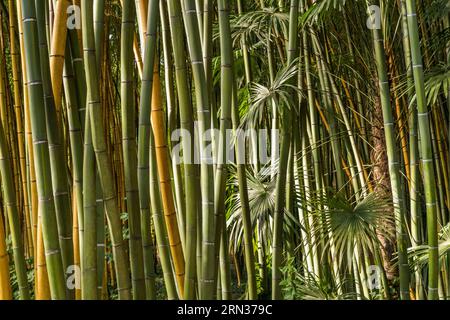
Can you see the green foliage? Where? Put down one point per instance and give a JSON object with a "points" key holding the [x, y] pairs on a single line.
{"points": [[418, 256], [322, 10], [279, 92], [264, 25], [296, 286]]}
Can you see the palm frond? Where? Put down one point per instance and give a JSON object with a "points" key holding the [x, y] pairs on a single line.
{"points": [[352, 222], [418, 256], [280, 93]]}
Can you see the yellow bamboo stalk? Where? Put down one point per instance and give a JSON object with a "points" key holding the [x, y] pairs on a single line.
{"points": [[5, 285], [42, 288], [57, 52], [33, 184], [322, 116], [138, 57], [142, 7], [356, 116], [163, 163]]}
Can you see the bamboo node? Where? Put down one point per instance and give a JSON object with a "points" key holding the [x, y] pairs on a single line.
{"points": [[51, 252]]}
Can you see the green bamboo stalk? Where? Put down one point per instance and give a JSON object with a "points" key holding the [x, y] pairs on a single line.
{"points": [[286, 132], [9, 200], [173, 115], [144, 132], [230, 117], [416, 238], [207, 176], [41, 152], [15, 65], [99, 32], [245, 50], [225, 272], [226, 97], [425, 147], [89, 242], [187, 126], [78, 68], [331, 116], [101, 241], [129, 148], [75, 131], [56, 150], [101, 154]]}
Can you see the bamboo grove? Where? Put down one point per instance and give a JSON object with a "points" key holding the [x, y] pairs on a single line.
{"points": [[229, 149]]}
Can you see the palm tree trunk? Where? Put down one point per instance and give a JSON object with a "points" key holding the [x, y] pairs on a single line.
{"points": [[394, 163]]}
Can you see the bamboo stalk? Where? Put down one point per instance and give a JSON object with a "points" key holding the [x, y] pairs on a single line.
{"points": [[5, 284], [394, 163], [130, 149], [425, 146], [42, 158], [101, 155]]}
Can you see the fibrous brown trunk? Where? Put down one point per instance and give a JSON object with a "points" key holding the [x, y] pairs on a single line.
{"points": [[380, 164]]}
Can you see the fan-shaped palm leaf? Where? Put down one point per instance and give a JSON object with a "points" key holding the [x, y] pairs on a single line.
{"points": [[352, 222], [261, 194]]}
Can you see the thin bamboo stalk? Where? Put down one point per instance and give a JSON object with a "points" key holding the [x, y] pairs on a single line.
{"points": [[207, 187], [130, 149], [286, 132], [5, 284]]}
